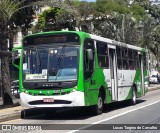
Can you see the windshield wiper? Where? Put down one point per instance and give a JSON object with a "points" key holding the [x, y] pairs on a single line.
{"points": [[38, 60], [61, 54], [59, 61]]}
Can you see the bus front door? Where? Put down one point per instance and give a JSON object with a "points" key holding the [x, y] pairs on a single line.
{"points": [[113, 71]]}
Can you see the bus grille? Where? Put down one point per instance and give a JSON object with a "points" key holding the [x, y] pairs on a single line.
{"points": [[37, 102]]}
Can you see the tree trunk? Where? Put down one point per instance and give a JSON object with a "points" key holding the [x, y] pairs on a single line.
{"points": [[6, 83], [5, 54]]}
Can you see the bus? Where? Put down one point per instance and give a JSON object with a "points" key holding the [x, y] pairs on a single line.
{"points": [[61, 69]]}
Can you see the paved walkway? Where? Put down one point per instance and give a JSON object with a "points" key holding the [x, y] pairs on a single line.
{"points": [[13, 112]]}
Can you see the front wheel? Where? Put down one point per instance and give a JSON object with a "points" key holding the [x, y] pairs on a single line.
{"points": [[98, 109]]}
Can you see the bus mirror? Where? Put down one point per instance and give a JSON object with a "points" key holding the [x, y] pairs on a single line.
{"points": [[16, 58], [90, 54]]}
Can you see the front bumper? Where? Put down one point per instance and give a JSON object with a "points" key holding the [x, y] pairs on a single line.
{"points": [[73, 99]]}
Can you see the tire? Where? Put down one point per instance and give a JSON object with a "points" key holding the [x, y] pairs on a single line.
{"points": [[98, 109], [133, 101]]}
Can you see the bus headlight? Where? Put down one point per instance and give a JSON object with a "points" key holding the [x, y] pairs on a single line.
{"points": [[26, 92], [74, 89]]}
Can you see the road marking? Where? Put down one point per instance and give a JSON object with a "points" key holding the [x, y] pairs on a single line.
{"points": [[107, 119]]}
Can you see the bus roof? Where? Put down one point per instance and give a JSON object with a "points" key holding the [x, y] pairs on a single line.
{"points": [[95, 37]]}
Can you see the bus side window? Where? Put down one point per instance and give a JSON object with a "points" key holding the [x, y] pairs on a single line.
{"points": [[136, 60], [131, 61], [119, 63], [102, 52], [125, 64], [119, 57], [144, 61], [124, 53], [88, 64], [125, 58]]}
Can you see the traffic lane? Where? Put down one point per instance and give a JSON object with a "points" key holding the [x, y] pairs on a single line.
{"points": [[146, 115]]}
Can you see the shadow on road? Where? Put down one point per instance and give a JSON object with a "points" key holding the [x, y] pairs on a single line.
{"points": [[118, 105], [79, 113]]}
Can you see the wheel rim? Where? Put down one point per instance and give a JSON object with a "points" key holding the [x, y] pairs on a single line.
{"points": [[100, 103], [134, 96]]}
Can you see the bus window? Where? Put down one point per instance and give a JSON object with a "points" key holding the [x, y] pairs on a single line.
{"points": [[119, 63], [88, 64], [130, 54], [124, 53], [102, 51], [118, 51], [103, 61], [119, 57], [125, 64], [102, 48], [144, 62], [131, 65], [136, 65], [135, 54]]}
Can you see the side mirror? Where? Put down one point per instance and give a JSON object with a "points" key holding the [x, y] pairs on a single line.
{"points": [[16, 57], [90, 54]]}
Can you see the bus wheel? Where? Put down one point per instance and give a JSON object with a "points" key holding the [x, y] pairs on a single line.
{"points": [[133, 100], [98, 109]]}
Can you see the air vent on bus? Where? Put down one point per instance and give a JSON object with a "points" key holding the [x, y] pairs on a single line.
{"points": [[37, 102]]}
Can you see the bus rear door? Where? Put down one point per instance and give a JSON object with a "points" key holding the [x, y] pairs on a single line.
{"points": [[113, 71]]}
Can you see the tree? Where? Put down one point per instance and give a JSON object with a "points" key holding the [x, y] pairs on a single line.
{"points": [[47, 19], [7, 10]]}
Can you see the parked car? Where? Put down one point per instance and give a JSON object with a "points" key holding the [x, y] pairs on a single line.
{"points": [[15, 87], [153, 79]]}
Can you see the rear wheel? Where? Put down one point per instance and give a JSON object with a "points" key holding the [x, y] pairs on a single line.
{"points": [[98, 109]]}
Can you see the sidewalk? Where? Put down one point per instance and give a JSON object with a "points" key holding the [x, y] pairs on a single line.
{"points": [[9, 113]]}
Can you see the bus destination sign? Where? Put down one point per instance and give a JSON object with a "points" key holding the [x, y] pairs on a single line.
{"points": [[47, 39], [50, 39]]}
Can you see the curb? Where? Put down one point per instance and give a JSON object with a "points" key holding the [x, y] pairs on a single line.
{"points": [[17, 113]]}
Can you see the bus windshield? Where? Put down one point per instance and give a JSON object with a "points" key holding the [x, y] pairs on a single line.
{"points": [[50, 63]]}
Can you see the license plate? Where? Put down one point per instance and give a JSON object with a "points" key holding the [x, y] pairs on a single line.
{"points": [[48, 100]]}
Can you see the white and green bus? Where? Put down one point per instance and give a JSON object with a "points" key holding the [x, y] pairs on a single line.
{"points": [[74, 69]]}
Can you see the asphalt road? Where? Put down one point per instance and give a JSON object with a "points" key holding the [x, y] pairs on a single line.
{"points": [[146, 111]]}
